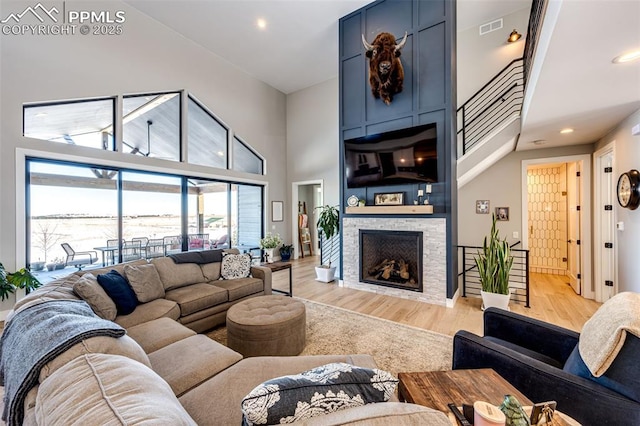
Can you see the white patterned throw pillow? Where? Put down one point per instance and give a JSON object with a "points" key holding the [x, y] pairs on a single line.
{"points": [[235, 266], [316, 392]]}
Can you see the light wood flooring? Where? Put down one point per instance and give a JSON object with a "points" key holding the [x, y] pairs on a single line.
{"points": [[552, 300]]}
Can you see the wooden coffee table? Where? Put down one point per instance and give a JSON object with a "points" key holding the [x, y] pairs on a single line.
{"points": [[436, 389]]}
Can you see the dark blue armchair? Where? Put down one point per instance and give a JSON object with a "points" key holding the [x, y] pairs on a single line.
{"points": [[542, 361]]}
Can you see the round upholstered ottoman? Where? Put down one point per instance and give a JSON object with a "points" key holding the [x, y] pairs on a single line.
{"points": [[267, 325]]}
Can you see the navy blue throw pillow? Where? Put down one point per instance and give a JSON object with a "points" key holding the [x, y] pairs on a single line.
{"points": [[119, 290]]}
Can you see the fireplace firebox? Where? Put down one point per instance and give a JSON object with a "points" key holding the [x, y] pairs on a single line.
{"points": [[391, 258]]}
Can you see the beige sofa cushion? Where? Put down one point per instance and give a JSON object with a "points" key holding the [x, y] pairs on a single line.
{"points": [[124, 346], [211, 271], [90, 291], [62, 288], [115, 390], [197, 297], [240, 287], [145, 281], [381, 414], [119, 268], [158, 333], [145, 312], [200, 358], [177, 275]]}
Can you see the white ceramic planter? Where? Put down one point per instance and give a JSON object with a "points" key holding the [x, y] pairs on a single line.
{"points": [[495, 300], [324, 274], [269, 253]]}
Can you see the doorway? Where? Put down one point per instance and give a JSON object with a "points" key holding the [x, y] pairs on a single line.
{"points": [[556, 218], [305, 196]]}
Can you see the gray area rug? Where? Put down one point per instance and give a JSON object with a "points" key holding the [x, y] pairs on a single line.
{"points": [[395, 347]]}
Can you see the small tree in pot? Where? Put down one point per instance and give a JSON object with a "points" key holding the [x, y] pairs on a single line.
{"points": [[494, 264], [329, 225]]}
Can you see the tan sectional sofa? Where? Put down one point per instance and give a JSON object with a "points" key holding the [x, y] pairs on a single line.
{"points": [[161, 372]]}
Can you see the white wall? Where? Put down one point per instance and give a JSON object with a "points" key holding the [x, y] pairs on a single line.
{"points": [[501, 185], [147, 57], [312, 137], [627, 157], [480, 58]]}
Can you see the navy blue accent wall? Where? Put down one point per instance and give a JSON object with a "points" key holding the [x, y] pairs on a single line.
{"points": [[428, 58]]}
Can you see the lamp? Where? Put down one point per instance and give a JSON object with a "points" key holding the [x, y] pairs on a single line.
{"points": [[514, 36]]}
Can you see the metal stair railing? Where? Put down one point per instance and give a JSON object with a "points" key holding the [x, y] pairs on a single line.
{"points": [[518, 278], [491, 106]]}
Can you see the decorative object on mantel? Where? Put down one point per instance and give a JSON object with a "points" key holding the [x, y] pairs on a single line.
{"points": [[414, 209], [389, 199], [494, 265], [482, 206], [329, 224], [269, 244], [352, 201]]}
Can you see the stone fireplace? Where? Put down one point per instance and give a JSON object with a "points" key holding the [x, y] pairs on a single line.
{"points": [[391, 258], [433, 268]]}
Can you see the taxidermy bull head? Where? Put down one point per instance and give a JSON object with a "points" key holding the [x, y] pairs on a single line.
{"points": [[386, 74]]}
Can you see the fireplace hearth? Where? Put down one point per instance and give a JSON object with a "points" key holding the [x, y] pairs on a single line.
{"points": [[391, 258]]}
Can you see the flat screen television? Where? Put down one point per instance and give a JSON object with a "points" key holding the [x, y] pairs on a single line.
{"points": [[393, 158]]}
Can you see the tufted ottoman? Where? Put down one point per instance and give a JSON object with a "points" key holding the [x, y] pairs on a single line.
{"points": [[267, 325]]}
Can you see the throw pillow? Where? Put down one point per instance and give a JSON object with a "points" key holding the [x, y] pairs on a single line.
{"points": [[119, 290], [90, 291], [145, 281], [235, 266], [316, 392]]}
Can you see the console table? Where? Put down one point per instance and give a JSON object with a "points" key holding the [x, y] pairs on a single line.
{"points": [[281, 266]]}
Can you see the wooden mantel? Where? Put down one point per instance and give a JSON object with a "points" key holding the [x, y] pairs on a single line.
{"points": [[414, 209]]}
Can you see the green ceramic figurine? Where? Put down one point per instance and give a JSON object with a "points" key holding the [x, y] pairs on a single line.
{"points": [[513, 411]]}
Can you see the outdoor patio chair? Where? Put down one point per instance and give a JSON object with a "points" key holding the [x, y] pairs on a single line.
{"points": [[78, 258], [221, 243], [144, 242], [155, 248], [131, 250]]}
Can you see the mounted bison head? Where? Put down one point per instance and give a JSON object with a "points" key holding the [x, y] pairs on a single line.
{"points": [[385, 69]]}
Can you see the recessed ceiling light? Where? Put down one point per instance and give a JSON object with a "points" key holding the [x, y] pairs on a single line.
{"points": [[261, 23], [627, 57], [566, 131]]}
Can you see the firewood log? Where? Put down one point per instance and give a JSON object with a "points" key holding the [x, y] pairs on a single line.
{"points": [[404, 270]]}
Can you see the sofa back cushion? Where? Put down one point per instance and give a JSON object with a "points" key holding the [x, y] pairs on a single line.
{"points": [[119, 290], [61, 288], [124, 346], [177, 275], [90, 291], [107, 389], [145, 281], [623, 376]]}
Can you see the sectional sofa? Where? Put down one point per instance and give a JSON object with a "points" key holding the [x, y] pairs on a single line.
{"points": [[161, 371]]}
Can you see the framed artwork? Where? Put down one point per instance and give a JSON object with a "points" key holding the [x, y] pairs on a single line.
{"points": [[502, 213], [389, 199], [482, 206], [277, 211]]}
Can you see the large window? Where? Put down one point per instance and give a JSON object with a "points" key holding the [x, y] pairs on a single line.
{"points": [[245, 160], [123, 215], [207, 138], [85, 123], [151, 125]]}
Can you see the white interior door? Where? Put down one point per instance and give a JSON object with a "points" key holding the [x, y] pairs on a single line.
{"points": [[607, 227], [573, 225]]}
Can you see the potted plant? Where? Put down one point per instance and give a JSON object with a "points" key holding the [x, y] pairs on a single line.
{"points": [[329, 225], [56, 264], [269, 244], [285, 252], [9, 282], [494, 265]]}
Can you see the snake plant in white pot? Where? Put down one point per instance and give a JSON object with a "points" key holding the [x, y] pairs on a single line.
{"points": [[494, 264], [329, 225]]}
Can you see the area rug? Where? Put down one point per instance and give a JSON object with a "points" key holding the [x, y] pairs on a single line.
{"points": [[395, 347]]}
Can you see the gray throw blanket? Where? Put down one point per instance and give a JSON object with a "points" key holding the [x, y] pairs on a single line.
{"points": [[200, 257], [37, 335]]}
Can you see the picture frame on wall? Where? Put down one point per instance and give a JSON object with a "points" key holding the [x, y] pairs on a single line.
{"points": [[502, 213], [389, 199], [277, 211], [482, 206]]}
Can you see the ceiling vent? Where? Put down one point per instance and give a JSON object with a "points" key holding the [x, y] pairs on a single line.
{"points": [[491, 26]]}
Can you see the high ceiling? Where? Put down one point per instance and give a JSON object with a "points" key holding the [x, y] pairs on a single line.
{"points": [[577, 85]]}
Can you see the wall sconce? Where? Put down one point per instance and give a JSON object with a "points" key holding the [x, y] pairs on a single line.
{"points": [[514, 36]]}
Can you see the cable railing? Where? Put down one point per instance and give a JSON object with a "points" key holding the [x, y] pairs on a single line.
{"points": [[536, 17], [518, 278], [491, 106]]}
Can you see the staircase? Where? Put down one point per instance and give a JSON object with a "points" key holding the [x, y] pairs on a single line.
{"points": [[489, 122]]}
